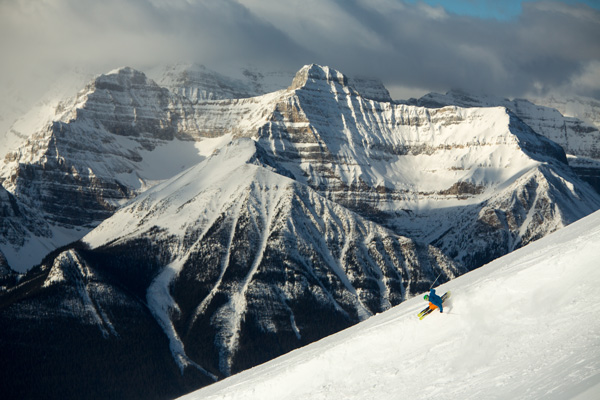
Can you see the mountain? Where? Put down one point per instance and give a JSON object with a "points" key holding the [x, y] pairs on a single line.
{"points": [[578, 137], [24, 111], [112, 141], [375, 159], [584, 108], [124, 133], [235, 263], [430, 174], [259, 250], [521, 327], [220, 234]]}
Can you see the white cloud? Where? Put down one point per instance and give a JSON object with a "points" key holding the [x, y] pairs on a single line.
{"points": [[431, 12], [589, 78]]}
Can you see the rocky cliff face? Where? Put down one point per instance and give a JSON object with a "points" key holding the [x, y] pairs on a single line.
{"points": [[18, 220], [25, 236], [71, 169], [407, 166], [579, 138]]}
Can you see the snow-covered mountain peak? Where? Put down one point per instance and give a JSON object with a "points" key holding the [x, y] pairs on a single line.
{"points": [[258, 227], [192, 196], [198, 83], [316, 77], [125, 76], [120, 80], [126, 102]]}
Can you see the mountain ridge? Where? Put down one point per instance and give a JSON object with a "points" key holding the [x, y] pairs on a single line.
{"points": [[178, 221], [237, 230], [577, 137], [320, 131]]}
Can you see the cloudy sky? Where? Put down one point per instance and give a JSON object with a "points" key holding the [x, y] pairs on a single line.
{"points": [[508, 48]]}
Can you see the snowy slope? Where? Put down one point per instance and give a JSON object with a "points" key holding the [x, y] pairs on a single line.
{"points": [[524, 326]]}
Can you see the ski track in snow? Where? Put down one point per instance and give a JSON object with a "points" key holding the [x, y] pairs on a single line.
{"points": [[524, 326]]}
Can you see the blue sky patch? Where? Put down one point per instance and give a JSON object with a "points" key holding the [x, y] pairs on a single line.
{"points": [[502, 10]]}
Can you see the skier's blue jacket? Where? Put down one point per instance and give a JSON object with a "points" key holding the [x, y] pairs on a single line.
{"points": [[435, 300]]}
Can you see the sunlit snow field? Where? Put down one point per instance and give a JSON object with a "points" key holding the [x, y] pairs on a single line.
{"points": [[525, 326]]}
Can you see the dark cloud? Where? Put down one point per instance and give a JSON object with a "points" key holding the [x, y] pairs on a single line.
{"points": [[551, 46], [119, 32], [547, 48]]}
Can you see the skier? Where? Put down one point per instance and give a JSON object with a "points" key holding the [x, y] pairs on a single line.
{"points": [[435, 301]]}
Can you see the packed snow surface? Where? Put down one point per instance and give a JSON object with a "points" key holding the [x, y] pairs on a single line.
{"points": [[525, 326]]}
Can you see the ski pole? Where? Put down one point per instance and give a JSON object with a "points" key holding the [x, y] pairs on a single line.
{"points": [[435, 280]]}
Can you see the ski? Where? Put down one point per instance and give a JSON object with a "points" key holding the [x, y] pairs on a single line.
{"points": [[428, 310]]}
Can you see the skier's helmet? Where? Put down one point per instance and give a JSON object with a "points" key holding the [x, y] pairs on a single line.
{"points": [[426, 297]]}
